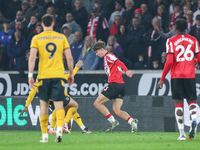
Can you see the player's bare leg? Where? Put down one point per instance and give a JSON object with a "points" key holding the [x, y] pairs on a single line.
{"points": [[71, 110], [193, 113], [44, 120], [60, 113], [180, 118], [99, 105], [117, 103]]}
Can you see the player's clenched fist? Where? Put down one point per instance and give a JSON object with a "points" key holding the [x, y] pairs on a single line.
{"points": [[129, 73]]}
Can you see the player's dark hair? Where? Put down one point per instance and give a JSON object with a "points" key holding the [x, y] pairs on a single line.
{"points": [[98, 45], [181, 25], [47, 20]]}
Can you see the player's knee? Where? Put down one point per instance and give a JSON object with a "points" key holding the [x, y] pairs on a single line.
{"points": [[76, 106], [116, 113], [95, 104]]}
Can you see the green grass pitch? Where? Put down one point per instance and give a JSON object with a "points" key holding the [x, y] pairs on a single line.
{"points": [[29, 140]]}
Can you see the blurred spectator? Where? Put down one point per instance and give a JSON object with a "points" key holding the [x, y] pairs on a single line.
{"points": [[3, 56], [72, 24], [32, 24], [128, 14], [141, 64], [163, 60], [155, 65], [97, 26], [116, 47], [25, 6], [186, 8], [19, 25], [4, 4], [197, 11], [1, 21], [16, 50], [24, 66], [77, 46], [118, 11], [163, 16], [127, 62], [19, 17], [168, 34], [138, 13], [67, 32], [195, 30], [35, 9], [120, 37], [155, 6], [47, 4], [152, 40], [90, 60], [107, 7], [146, 17], [116, 23], [133, 40], [51, 11], [189, 19], [6, 34], [12, 9], [97, 4], [81, 16], [171, 7], [191, 3], [177, 11], [38, 29]]}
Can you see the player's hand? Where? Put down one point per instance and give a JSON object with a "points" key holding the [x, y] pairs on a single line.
{"points": [[129, 73], [160, 84], [70, 79], [31, 82], [104, 88], [79, 64], [24, 110]]}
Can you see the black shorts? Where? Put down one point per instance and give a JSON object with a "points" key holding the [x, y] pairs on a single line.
{"points": [[65, 102], [51, 89], [183, 88], [114, 90]]}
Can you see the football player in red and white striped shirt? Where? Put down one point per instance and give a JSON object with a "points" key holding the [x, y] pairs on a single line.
{"points": [[115, 89], [181, 51]]}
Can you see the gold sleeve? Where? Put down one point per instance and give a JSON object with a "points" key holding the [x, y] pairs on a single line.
{"points": [[31, 95], [74, 71]]}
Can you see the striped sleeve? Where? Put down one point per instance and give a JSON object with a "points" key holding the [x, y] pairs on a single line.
{"points": [[197, 49], [169, 47], [105, 23]]}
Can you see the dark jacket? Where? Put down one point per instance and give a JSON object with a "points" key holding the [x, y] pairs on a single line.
{"points": [[4, 60], [39, 10], [155, 44], [102, 33], [12, 9], [195, 32], [146, 20], [127, 16], [134, 44], [81, 17], [17, 51]]}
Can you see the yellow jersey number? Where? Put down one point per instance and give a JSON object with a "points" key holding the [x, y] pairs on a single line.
{"points": [[51, 48]]}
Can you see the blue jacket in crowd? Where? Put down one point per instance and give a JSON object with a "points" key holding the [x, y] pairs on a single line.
{"points": [[76, 49], [91, 61], [5, 38], [17, 51]]}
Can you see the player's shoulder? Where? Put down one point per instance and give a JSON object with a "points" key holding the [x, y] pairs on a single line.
{"points": [[111, 56]]}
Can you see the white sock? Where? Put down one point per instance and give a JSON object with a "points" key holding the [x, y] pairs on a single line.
{"points": [[82, 127], [59, 131], [111, 119], [193, 116], [130, 120], [180, 125], [45, 136]]}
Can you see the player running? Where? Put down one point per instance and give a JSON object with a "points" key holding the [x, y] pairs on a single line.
{"points": [[50, 46], [182, 49], [115, 89], [69, 104]]}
